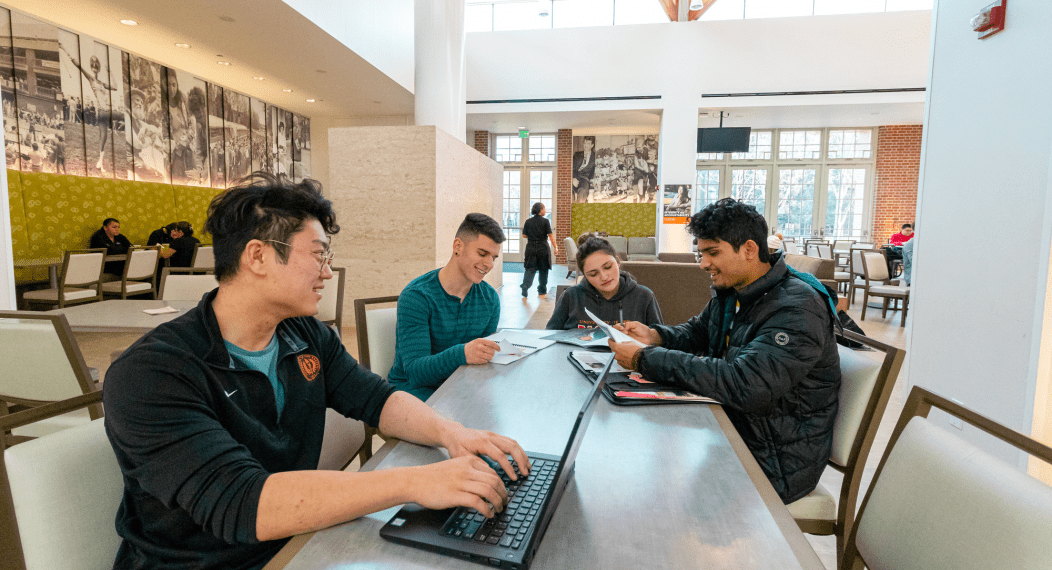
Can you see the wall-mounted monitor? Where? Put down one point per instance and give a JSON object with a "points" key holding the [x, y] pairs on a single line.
{"points": [[728, 139]]}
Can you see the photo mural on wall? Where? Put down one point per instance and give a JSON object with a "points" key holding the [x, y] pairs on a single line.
{"points": [[149, 120], [188, 120], [74, 105], [12, 146], [216, 152], [615, 169]]}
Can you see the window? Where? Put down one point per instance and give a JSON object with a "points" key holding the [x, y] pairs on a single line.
{"points": [[529, 176], [541, 190], [850, 143], [509, 149], [759, 147], [710, 156], [542, 148], [844, 201], [749, 185], [796, 201], [511, 223], [707, 189], [799, 144]]}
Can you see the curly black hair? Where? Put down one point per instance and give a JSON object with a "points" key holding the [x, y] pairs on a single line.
{"points": [[733, 222]]}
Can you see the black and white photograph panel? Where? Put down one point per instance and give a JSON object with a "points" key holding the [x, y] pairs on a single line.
{"points": [[615, 169], [41, 103], [99, 92], [7, 93], [300, 147], [237, 135], [284, 142], [188, 120], [70, 79], [149, 120], [216, 151], [258, 120]]}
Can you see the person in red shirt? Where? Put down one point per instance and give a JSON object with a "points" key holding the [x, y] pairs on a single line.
{"points": [[903, 236]]}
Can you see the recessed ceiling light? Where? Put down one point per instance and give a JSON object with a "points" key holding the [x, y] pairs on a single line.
{"points": [[320, 70], [129, 22], [227, 19], [258, 78], [376, 102], [223, 62], [286, 90], [310, 100], [184, 46]]}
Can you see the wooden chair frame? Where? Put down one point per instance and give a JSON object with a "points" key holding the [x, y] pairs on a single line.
{"points": [[866, 292], [165, 272], [60, 294], [360, 308], [193, 260], [127, 267], [13, 404], [339, 275], [919, 404], [10, 541], [860, 448], [855, 272]]}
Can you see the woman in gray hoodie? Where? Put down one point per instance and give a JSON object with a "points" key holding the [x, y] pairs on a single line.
{"points": [[608, 292]]}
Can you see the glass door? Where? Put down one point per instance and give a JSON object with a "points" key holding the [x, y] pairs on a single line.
{"points": [[512, 219]]}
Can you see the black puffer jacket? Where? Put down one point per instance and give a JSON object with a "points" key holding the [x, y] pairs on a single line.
{"points": [[779, 380]]}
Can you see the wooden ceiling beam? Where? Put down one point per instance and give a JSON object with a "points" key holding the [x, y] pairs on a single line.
{"points": [[671, 8]]}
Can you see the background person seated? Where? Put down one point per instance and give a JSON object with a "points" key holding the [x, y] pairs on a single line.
{"points": [[109, 237], [161, 235], [609, 293], [180, 251]]}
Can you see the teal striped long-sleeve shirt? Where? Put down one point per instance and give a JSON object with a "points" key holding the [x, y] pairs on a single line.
{"points": [[432, 329]]}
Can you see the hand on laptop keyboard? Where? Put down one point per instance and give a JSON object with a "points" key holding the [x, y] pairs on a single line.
{"points": [[463, 441], [461, 482]]}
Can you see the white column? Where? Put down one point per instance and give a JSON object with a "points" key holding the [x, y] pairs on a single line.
{"points": [[678, 150], [441, 84]]}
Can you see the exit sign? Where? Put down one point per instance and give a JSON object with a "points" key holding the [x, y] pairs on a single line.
{"points": [[524, 133]]}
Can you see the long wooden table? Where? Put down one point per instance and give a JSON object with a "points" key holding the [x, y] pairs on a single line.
{"points": [[121, 315], [655, 486]]}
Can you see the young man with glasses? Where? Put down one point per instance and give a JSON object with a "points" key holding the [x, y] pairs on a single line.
{"points": [[217, 417]]}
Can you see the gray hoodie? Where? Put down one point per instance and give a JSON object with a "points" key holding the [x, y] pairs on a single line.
{"points": [[636, 302]]}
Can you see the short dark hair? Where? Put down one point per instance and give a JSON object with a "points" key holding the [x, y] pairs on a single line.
{"points": [[107, 221], [733, 222], [590, 139], [264, 207], [588, 244], [186, 228], [536, 209], [476, 224], [904, 226]]}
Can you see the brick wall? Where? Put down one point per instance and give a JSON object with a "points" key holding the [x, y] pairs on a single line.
{"points": [[563, 193], [482, 142], [897, 176]]}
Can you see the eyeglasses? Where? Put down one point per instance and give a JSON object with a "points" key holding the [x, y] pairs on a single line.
{"points": [[324, 257]]}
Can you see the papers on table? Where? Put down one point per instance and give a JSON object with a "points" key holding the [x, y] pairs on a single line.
{"points": [[161, 311], [591, 337], [615, 334], [594, 362], [516, 344]]}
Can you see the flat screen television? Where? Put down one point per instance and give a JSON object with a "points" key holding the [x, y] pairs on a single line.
{"points": [[727, 139]]}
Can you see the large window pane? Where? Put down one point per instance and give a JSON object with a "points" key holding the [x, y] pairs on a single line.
{"points": [[845, 193], [710, 156], [759, 147], [639, 12], [850, 143], [478, 18], [799, 144], [512, 224], [725, 10], [509, 149], [777, 8], [796, 201], [520, 16], [707, 189], [542, 148], [582, 13], [749, 185], [541, 190]]}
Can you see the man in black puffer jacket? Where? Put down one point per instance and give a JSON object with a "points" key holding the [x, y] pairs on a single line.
{"points": [[763, 346]]}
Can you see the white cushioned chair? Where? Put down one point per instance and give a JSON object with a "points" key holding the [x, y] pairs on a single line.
{"points": [[620, 245], [938, 502], [140, 271], [642, 249], [181, 284], [570, 247], [867, 379], [330, 308], [204, 259], [59, 494], [79, 281], [878, 284], [376, 344]]}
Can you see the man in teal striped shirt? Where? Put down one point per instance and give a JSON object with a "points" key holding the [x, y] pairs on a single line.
{"points": [[443, 314]]}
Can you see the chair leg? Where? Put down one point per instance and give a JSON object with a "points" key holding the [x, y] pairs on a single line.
{"points": [[865, 302], [884, 313], [905, 305]]}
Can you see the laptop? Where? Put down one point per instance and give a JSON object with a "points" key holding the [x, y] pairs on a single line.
{"points": [[510, 539]]}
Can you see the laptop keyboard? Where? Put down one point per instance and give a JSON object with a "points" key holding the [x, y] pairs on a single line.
{"points": [[510, 527]]}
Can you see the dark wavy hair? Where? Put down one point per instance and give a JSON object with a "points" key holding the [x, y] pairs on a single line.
{"points": [[588, 244], [476, 224], [733, 222], [186, 228], [264, 207], [536, 209]]}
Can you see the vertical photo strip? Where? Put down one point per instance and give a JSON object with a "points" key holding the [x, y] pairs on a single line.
{"points": [[216, 152], [236, 132], [300, 148], [149, 121], [12, 144], [188, 120], [258, 126]]}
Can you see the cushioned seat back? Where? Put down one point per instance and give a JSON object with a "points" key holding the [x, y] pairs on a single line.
{"points": [[858, 375], [856, 263], [642, 246], [142, 263], [619, 243], [341, 442], [843, 244], [204, 258], [941, 503], [820, 268], [330, 305], [682, 289], [825, 251], [66, 488], [83, 269], [381, 324], [875, 266], [677, 257], [35, 361], [791, 247], [184, 287]]}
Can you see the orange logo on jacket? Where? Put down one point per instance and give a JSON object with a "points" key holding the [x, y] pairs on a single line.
{"points": [[310, 366]]}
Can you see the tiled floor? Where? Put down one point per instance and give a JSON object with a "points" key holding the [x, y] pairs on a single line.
{"points": [[533, 312]]}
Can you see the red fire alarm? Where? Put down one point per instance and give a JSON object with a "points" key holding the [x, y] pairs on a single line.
{"points": [[990, 20]]}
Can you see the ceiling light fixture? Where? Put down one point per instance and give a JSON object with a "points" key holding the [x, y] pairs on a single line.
{"points": [[227, 63], [286, 90], [129, 22], [184, 46], [258, 78], [310, 100]]}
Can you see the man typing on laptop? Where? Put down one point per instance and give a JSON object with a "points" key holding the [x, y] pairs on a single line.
{"points": [[763, 347], [217, 417]]}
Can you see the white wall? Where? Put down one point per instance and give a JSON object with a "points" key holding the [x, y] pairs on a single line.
{"points": [[380, 32], [984, 214]]}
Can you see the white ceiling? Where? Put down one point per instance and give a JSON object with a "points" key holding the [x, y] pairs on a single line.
{"points": [[265, 38]]}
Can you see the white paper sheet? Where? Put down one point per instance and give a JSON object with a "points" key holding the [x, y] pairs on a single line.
{"points": [[161, 311], [515, 344], [615, 334]]}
